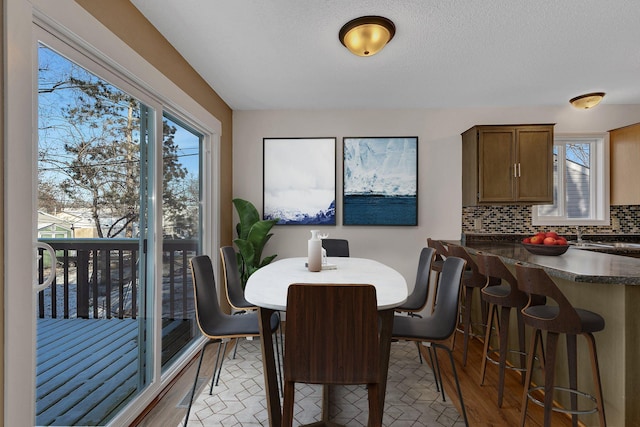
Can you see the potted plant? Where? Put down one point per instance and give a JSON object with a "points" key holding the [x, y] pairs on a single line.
{"points": [[253, 234]]}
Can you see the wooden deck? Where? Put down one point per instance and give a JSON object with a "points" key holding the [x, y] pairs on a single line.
{"points": [[87, 369]]}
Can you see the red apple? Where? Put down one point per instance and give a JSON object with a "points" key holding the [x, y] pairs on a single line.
{"points": [[551, 234], [549, 241], [561, 241], [537, 240], [526, 240], [541, 234]]}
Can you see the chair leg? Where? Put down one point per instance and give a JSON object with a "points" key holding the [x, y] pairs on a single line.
{"points": [[467, 323], [439, 374], [215, 368], [572, 356], [504, 332], [521, 343], [455, 376], [278, 345], [221, 354], [419, 353], [596, 377], [235, 347], [527, 380], [195, 382], [487, 340], [375, 412], [433, 367], [549, 376], [287, 403]]}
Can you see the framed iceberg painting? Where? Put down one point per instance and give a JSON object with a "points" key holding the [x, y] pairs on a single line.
{"points": [[380, 181], [300, 180]]}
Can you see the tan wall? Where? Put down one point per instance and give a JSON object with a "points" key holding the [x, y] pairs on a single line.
{"points": [[126, 22], [2, 210]]}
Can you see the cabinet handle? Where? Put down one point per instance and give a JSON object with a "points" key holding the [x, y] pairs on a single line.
{"points": [[515, 170], [519, 175]]}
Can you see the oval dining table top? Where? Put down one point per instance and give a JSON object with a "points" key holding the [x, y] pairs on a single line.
{"points": [[268, 286]]}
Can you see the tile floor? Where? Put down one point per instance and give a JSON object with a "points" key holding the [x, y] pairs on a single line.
{"points": [[239, 401]]}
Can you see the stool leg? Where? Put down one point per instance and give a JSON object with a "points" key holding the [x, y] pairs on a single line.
{"points": [[572, 357], [527, 381], [549, 375], [521, 342], [504, 331], [467, 323], [487, 339], [596, 377]]}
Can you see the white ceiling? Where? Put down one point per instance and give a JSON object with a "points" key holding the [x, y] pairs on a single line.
{"points": [[285, 54]]}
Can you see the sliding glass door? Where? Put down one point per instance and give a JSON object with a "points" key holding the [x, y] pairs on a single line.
{"points": [[108, 182]]}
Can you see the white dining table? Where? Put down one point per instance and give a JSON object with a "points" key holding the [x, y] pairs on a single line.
{"points": [[267, 289]]}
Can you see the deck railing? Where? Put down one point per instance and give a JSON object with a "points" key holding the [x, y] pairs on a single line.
{"points": [[98, 278]]}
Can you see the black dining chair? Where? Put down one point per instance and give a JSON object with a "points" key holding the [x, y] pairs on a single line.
{"points": [[214, 324], [237, 301], [417, 300], [336, 247], [438, 329]]}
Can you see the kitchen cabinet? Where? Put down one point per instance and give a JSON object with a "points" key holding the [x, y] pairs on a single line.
{"points": [[624, 159], [507, 164]]}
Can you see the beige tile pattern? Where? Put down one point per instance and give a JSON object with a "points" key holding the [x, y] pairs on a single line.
{"points": [[411, 401]]}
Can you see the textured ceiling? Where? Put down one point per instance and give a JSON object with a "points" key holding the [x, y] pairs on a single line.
{"points": [[285, 54]]}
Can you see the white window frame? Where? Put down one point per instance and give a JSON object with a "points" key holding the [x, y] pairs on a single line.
{"points": [[599, 183], [71, 22]]}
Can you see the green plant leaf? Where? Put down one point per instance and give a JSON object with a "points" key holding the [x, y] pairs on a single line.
{"points": [[248, 215]]}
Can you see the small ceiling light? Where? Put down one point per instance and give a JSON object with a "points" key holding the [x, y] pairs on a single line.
{"points": [[367, 35], [588, 100]]}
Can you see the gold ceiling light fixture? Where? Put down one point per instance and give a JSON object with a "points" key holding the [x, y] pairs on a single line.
{"points": [[367, 35], [587, 101]]}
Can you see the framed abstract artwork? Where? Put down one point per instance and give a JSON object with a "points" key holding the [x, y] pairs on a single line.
{"points": [[380, 181], [300, 180]]}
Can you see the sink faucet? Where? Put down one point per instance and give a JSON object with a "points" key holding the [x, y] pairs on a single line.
{"points": [[578, 234]]}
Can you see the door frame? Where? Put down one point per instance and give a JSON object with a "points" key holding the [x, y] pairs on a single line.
{"points": [[71, 20]]}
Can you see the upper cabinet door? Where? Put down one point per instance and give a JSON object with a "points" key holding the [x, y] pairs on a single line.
{"points": [[624, 160], [496, 164], [507, 164], [535, 164]]}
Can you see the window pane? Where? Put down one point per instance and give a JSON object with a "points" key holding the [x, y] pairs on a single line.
{"points": [[552, 210], [577, 180], [91, 328], [181, 234]]}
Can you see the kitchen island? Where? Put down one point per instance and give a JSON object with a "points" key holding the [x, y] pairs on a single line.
{"points": [[608, 285]]}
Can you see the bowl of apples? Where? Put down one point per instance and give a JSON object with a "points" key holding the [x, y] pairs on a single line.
{"points": [[546, 243]]}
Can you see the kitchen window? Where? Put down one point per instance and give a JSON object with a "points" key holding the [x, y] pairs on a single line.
{"points": [[580, 182]]}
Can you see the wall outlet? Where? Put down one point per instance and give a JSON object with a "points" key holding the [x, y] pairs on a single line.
{"points": [[477, 224], [615, 224]]}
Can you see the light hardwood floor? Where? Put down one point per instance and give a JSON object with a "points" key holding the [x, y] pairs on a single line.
{"points": [[480, 401]]}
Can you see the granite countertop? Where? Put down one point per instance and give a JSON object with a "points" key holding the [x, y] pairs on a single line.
{"points": [[576, 264]]}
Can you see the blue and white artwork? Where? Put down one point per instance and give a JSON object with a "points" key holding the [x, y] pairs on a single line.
{"points": [[380, 181], [300, 180]]}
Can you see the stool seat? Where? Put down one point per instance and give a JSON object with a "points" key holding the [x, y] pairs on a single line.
{"points": [[589, 321]]}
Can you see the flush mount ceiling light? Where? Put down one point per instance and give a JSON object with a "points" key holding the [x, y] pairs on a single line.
{"points": [[588, 100], [367, 35]]}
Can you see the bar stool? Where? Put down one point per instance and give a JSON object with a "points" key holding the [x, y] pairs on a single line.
{"points": [[560, 319], [471, 279], [504, 297]]}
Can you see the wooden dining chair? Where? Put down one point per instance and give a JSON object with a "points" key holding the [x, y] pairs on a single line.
{"points": [[332, 337]]}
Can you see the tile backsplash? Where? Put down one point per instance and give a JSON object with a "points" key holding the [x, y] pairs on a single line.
{"points": [[516, 219]]}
